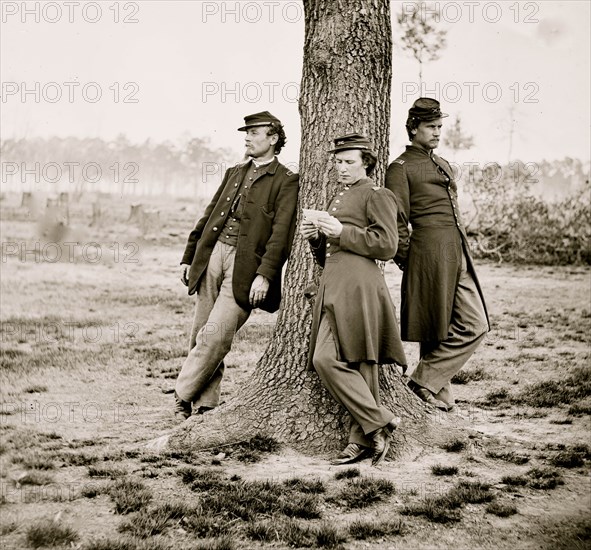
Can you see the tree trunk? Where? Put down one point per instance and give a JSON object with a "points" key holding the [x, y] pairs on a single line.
{"points": [[345, 87], [420, 77]]}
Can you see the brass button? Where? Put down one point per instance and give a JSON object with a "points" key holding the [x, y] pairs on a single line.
{"points": [[327, 245], [328, 254], [334, 209], [222, 214], [215, 228], [337, 201], [228, 199]]}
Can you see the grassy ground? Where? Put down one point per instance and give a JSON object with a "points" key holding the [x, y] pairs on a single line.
{"points": [[90, 350]]}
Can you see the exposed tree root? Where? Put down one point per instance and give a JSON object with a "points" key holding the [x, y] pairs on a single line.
{"points": [[308, 420]]}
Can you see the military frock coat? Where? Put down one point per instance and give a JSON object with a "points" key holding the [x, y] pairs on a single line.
{"points": [[430, 255], [352, 291], [266, 231]]}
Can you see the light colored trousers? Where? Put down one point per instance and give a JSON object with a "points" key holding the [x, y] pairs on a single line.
{"points": [[467, 328], [217, 319], [353, 385]]}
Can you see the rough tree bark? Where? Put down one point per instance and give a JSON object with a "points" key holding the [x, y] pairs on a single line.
{"points": [[345, 87]]}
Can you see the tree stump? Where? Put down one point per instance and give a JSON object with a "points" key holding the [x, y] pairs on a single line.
{"points": [[136, 213], [97, 215], [30, 203], [63, 203], [27, 200]]}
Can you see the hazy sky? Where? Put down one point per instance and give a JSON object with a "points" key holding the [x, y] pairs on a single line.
{"points": [[199, 67]]}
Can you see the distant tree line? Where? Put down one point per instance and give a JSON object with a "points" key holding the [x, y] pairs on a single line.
{"points": [[83, 165], [536, 213]]}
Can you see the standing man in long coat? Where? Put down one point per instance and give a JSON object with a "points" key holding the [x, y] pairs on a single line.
{"points": [[233, 258], [354, 328], [442, 304]]}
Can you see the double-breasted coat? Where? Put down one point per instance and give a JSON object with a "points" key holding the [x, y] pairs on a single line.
{"points": [[266, 231], [431, 255], [352, 291]]}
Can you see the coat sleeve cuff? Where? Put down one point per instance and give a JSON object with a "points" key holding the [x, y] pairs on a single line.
{"points": [[345, 236], [266, 272], [187, 260]]}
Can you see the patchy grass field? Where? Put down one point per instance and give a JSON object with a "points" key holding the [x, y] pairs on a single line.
{"points": [[90, 350]]}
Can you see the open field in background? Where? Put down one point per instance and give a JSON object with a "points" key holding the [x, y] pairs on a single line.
{"points": [[90, 351]]}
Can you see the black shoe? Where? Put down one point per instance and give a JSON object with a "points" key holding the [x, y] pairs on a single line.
{"points": [[351, 453], [446, 397], [381, 441], [182, 409], [427, 396], [381, 445], [392, 426]]}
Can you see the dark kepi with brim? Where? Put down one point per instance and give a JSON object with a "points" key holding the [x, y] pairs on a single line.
{"points": [[426, 109], [264, 118], [352, 141]]}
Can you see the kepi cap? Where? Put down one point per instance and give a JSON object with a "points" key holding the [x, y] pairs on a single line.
{"points": [[426, 109], [352, 141], [259, 119]]}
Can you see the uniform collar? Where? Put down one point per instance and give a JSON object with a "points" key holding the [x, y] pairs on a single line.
{"points": [[360, 183], [427, 154], [267, 167], [259, 164], [418, 151]]}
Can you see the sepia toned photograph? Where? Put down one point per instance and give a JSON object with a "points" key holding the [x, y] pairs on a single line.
{"points": [[295, 274]]}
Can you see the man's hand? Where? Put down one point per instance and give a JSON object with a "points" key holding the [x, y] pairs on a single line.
{"points": [[330, 226], [184, 278], [308, 230], [258, 291]]}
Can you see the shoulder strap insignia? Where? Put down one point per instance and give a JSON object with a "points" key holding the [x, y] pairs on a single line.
{"points": [[399, 161], [376, 187]]}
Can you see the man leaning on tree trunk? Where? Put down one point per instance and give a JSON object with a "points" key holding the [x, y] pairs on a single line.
{"points": [[442, 304], [233, 259]]}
